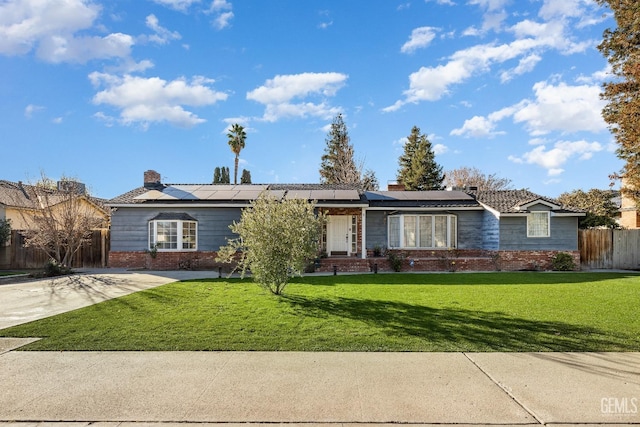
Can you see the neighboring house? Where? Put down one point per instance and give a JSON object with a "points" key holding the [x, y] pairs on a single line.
{"points": [[629, 215], [168, 226], [19, 202]]}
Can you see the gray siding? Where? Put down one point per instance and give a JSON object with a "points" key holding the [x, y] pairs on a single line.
{"points": [[470, 229], [129, 226], [563, 235], [491, 231]]}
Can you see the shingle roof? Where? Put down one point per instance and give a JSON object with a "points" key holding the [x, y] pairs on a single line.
{"points": [[508, 201], [19, 195], [504, 201]]}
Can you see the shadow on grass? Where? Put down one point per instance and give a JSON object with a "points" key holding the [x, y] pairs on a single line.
{"points": [[462, 278], [450, 329]]}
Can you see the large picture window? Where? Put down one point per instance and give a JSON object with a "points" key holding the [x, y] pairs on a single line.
{"points": [[538, 224], [422, 231], [173, 235]]}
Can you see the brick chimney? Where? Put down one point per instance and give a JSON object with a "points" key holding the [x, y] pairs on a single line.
{"points": [[151, 179], [395, 186]]}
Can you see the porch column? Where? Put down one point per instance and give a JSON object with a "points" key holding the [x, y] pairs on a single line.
{"points": [[363, 225]]}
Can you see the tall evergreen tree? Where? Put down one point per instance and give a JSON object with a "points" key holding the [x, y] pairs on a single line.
{"points": [[370, 181], [221, 175], [621, 47], [338, 164], [237, 137], [224, 176], [245, 178], [418, 169]]}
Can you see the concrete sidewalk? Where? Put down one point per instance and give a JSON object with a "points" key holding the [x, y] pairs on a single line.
{"points": [[292, 387]]}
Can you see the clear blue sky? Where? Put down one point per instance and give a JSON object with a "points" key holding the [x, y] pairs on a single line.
{"points": [[104, 90]]}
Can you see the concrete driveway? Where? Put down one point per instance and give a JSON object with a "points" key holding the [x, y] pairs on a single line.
{"points": [[36, 299]]}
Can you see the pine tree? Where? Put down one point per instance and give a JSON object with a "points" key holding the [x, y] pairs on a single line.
{"points": [[338, 165], [216, 175], [621, 47], [245, 178], [418, 169]]}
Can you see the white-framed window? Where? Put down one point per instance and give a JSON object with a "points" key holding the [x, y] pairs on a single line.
{"points": [[173, 235], [538, 224], [412, 231], [354, 234]]}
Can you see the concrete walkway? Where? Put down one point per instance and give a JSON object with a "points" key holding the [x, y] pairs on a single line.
{"points": [[331, 389]]}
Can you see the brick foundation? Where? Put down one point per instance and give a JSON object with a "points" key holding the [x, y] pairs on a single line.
{"points": [[167, 260], [421, 260], [451, 260]]}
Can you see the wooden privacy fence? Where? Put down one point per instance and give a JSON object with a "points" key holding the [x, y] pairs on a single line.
{"points": [[93, 253], [609, 249]]}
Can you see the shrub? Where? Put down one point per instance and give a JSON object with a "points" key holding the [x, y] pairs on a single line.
{"points": [[563, 261], [277, 238], [395, 260], [54, 268]]}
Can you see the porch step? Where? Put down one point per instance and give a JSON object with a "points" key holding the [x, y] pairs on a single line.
{"points": [[344, 265]]}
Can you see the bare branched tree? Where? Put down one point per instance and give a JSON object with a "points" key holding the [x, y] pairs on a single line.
{"points": [[473, 177], [58, 219]]}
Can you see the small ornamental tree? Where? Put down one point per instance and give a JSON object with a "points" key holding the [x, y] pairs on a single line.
{"points": [[61, 220], [5, 231], [277, 239]]}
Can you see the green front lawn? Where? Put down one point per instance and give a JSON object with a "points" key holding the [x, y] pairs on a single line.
{"points": [[385, 312], [10, 273]]}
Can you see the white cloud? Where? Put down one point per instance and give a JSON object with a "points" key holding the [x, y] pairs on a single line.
{"points": [[531, 39], [494, 16], [420, 38], [162, 35], [50, 28], [82, 49], [597, 77], [150, 100], [553, 159], [223, 20], [440, 149], [445, 2], [490, 5], [30, 109], [218, 5], [223, 14], [562, 108], [181, 5], [552, 9], [278, 94], [556, 108], [477, 127], [525, 65]]}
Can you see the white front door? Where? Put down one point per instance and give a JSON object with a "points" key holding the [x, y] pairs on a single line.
{"points": [[338, 234]]}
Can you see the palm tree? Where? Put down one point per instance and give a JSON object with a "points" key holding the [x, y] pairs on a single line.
{"points": [[236, 136]]}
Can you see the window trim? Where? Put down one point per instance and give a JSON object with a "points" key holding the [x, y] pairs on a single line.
{"points": [[152, 235], [548, 228], [451, 230]]}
